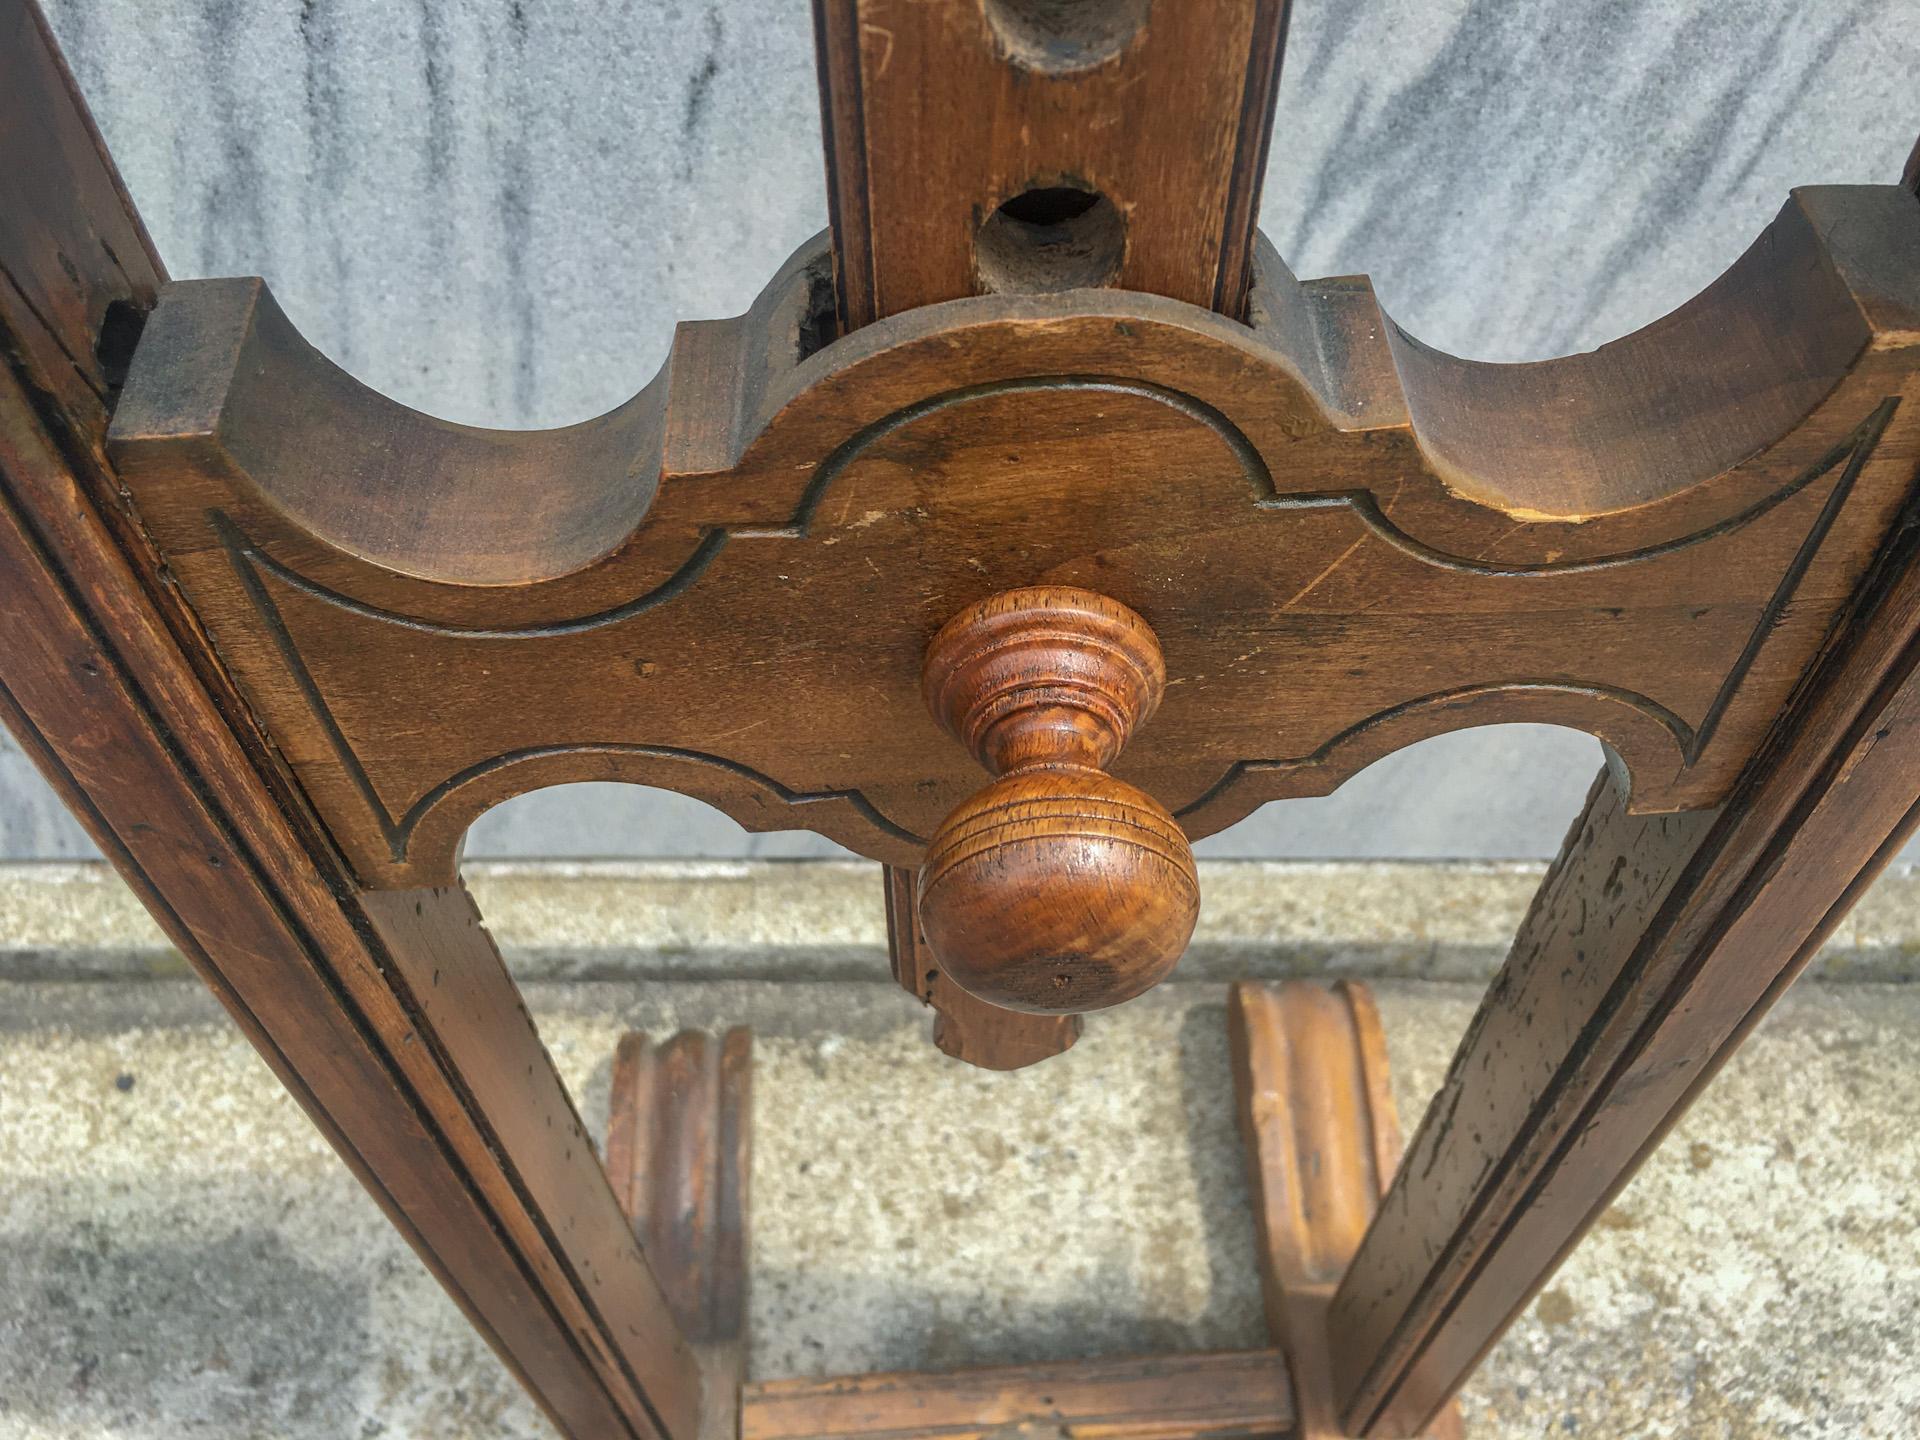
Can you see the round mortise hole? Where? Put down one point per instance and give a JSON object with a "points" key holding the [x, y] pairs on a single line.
{"points": [[1058, 37], [1048, 238]]}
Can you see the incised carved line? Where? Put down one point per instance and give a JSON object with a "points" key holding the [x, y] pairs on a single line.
{"points": [[249, 560]]}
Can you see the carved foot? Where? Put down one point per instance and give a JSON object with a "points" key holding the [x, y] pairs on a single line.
{"points": [[1322, 1141], [678, 1145]]}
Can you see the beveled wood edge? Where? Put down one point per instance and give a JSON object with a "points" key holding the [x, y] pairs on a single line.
{"points": [[1688, 928], [421, 846], [679, 1157], [852, 217], [108, 682], [271, 925], [774, 394], [1240, 237], [1205, 1396], [1322, 1141], [843, 142]]}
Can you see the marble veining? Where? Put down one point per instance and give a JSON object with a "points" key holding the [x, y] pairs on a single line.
{"points": [[495, 211]]}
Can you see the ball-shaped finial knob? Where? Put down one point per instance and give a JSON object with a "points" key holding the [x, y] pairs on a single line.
{"points": [[1057, 888]]}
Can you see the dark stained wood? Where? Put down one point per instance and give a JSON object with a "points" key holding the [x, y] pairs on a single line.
{"points": [[104, 681], [1322, 1140], [937, 116], [1232, 1396], [319, 992], [71, 244], [279, 640], [469, 1009], [1343, 543], [965, 1027], [879, 226], [1653, 948], [678, 1154], [1057, 888]]}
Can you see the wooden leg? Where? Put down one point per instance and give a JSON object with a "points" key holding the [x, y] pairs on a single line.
{"points": [[964, 1027], [1654, 946], [1322, 1141], [389, 1016], [678, 1153]]}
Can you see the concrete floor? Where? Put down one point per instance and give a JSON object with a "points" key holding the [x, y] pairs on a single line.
{"points": [[823, 920], [180, 1254]]}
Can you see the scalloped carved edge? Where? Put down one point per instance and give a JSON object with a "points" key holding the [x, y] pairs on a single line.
{"points": [[760, 391], [428, 836], [1602, 414], [1264, 495]]}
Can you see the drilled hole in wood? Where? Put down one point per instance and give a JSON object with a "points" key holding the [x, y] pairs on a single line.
{"points": [[1050, 237], [819, 323], [119, 334], [1057, 36]]}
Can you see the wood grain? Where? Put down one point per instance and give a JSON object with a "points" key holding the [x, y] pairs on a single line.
{"points": [[110, 689], [1322, 1141], [679, 1157], [1653, 948], [1342, 543], [1233, 1396], [965, 1027], [1061, 83], [287, 644], [72, 246], [935, 116], [1055, 889]]}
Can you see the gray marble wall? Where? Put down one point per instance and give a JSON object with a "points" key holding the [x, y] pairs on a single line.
{"points": [[495, 210]]}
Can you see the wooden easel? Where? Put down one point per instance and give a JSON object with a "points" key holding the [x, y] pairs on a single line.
{"points": [[1041, 453]]}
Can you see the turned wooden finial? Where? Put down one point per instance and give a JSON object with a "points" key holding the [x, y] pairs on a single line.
{"points": [[1057, 888]]}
